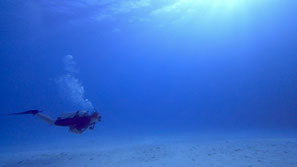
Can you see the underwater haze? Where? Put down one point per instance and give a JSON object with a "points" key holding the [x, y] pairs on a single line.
{"points": [[149, 67]]}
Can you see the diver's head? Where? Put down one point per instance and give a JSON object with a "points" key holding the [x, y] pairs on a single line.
{"points": [[95, 117]]}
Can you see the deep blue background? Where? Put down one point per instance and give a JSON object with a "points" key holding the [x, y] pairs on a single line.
{"points": [[233, 71]]}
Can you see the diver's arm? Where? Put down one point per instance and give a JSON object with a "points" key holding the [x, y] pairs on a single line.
{"points": [[73, 129], [45, 118]]}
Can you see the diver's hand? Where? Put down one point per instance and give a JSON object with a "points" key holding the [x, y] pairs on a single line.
{"points": [[92, 126]]}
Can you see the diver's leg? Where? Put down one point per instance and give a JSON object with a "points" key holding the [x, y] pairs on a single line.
{"points": [[45, 118]]}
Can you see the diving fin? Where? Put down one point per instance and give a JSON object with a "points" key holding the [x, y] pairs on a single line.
{"points": [[33, 112]]}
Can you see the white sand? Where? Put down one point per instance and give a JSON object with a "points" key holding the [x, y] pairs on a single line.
{"points": [[160, 151]]}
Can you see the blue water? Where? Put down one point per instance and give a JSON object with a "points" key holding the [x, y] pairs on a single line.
{"points": [[148, 66]]}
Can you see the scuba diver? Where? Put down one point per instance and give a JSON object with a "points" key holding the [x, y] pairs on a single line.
{"points": [[77, 122]]}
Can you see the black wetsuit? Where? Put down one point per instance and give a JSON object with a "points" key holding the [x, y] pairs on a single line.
{"points": [[78, 122]]}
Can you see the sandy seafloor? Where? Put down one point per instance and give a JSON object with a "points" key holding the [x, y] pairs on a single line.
{"points": [[173, 150]]}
